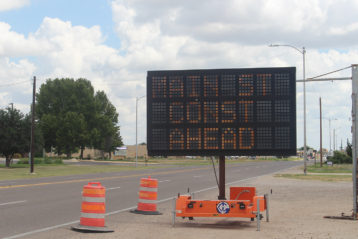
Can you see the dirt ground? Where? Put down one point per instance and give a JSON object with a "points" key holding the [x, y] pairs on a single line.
{"points": [[297, 208]]}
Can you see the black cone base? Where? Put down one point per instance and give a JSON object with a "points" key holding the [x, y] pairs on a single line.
{"points": [[81, 228], [146, 212]]}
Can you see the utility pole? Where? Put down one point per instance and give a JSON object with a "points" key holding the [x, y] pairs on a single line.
{"points": [[136, 129], [320, 131], [334, 140], [32, 147], [354, 136], [330, 136]]}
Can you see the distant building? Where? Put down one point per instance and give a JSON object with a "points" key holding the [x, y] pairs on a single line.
{"points": [[88, 153], [129, 152], [311, 153]]}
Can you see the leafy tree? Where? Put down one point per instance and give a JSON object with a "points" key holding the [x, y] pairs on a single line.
{"points": [[107, 131], [14, 133], [307, 147], [64, 107], [349, 149], [73, 117], [71, 134], [340, 158]]}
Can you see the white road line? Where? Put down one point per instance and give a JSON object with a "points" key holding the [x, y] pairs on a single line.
{"points": [[14, 202], [134, 207], [112, 188], [164, 181], [41, 230]]}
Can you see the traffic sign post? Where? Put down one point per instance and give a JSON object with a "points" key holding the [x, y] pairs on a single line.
{"points": [[354, 136], [221, 112]]}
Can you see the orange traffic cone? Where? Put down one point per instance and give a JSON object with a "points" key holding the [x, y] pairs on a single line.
{"points": [[148, 194], [93, 209]]}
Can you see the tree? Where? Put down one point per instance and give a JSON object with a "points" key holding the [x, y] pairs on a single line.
{"points": [[307, 147], [349, 149], [14, 133], [65, 107], [71, 134], [73, 117], [340, 158], [107, 131]]}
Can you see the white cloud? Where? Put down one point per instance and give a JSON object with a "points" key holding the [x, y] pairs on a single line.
{"points": [[344, 30], [185, 34], [240, 21], [6, 5], [209, 34]]}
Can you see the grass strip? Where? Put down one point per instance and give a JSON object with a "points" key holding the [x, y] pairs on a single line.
{"points": [[19, 171], [320, 177], [337, 168]]}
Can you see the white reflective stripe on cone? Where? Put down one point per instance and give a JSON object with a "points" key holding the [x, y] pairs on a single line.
{"points": [[93, 199], [148, 189], [147, 201], [92, 215]]}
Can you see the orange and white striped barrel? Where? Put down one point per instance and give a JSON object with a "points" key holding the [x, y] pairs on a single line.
{"points": [[93, 208], [148, 195], [93, 205]]}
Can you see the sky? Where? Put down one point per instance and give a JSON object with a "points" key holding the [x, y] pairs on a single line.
{"points": [[113, 43]]}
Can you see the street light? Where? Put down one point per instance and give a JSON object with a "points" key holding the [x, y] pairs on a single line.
{"points": [[330, 133], [335, 146], [136, 129], [303, 52], [330, 136]]}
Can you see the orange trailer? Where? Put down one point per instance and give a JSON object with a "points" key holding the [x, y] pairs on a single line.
{"points": [[243, 203]]}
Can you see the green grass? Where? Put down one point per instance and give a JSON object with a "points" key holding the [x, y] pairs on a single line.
{"points": [[44, 169], [322, 177], [23, 171], [335, 173], [41, 161], [200, 160], [336, 168], [279, 159]]}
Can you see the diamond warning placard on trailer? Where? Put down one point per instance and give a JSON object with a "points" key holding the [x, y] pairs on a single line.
{"points": [[222, 112]]}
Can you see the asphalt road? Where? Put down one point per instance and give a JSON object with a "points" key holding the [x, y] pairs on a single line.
{"points": [[27, 206]]}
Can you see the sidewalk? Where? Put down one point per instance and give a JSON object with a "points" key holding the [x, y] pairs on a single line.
{"points": [[297, 208]]}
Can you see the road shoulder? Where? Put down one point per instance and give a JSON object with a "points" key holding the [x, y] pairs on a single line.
{"points": [[297, 208]]}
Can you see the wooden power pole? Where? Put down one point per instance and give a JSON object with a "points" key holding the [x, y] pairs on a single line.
{"points": [[32, 147]]}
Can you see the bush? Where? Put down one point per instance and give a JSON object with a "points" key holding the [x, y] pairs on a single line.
{"points": [[58, 161], [23, 161], [26, 161], [41, 161], [17, 156], [339, 158], [47, 161]]}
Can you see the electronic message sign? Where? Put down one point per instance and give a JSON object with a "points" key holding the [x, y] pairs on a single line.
{"points": [[222, 112]]}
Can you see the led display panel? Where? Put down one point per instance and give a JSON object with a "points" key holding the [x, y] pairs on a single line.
{"points": [[222, 112]]}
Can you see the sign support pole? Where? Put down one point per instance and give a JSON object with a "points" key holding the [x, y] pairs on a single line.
{"points": [[222, 178], [354, 135]]}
